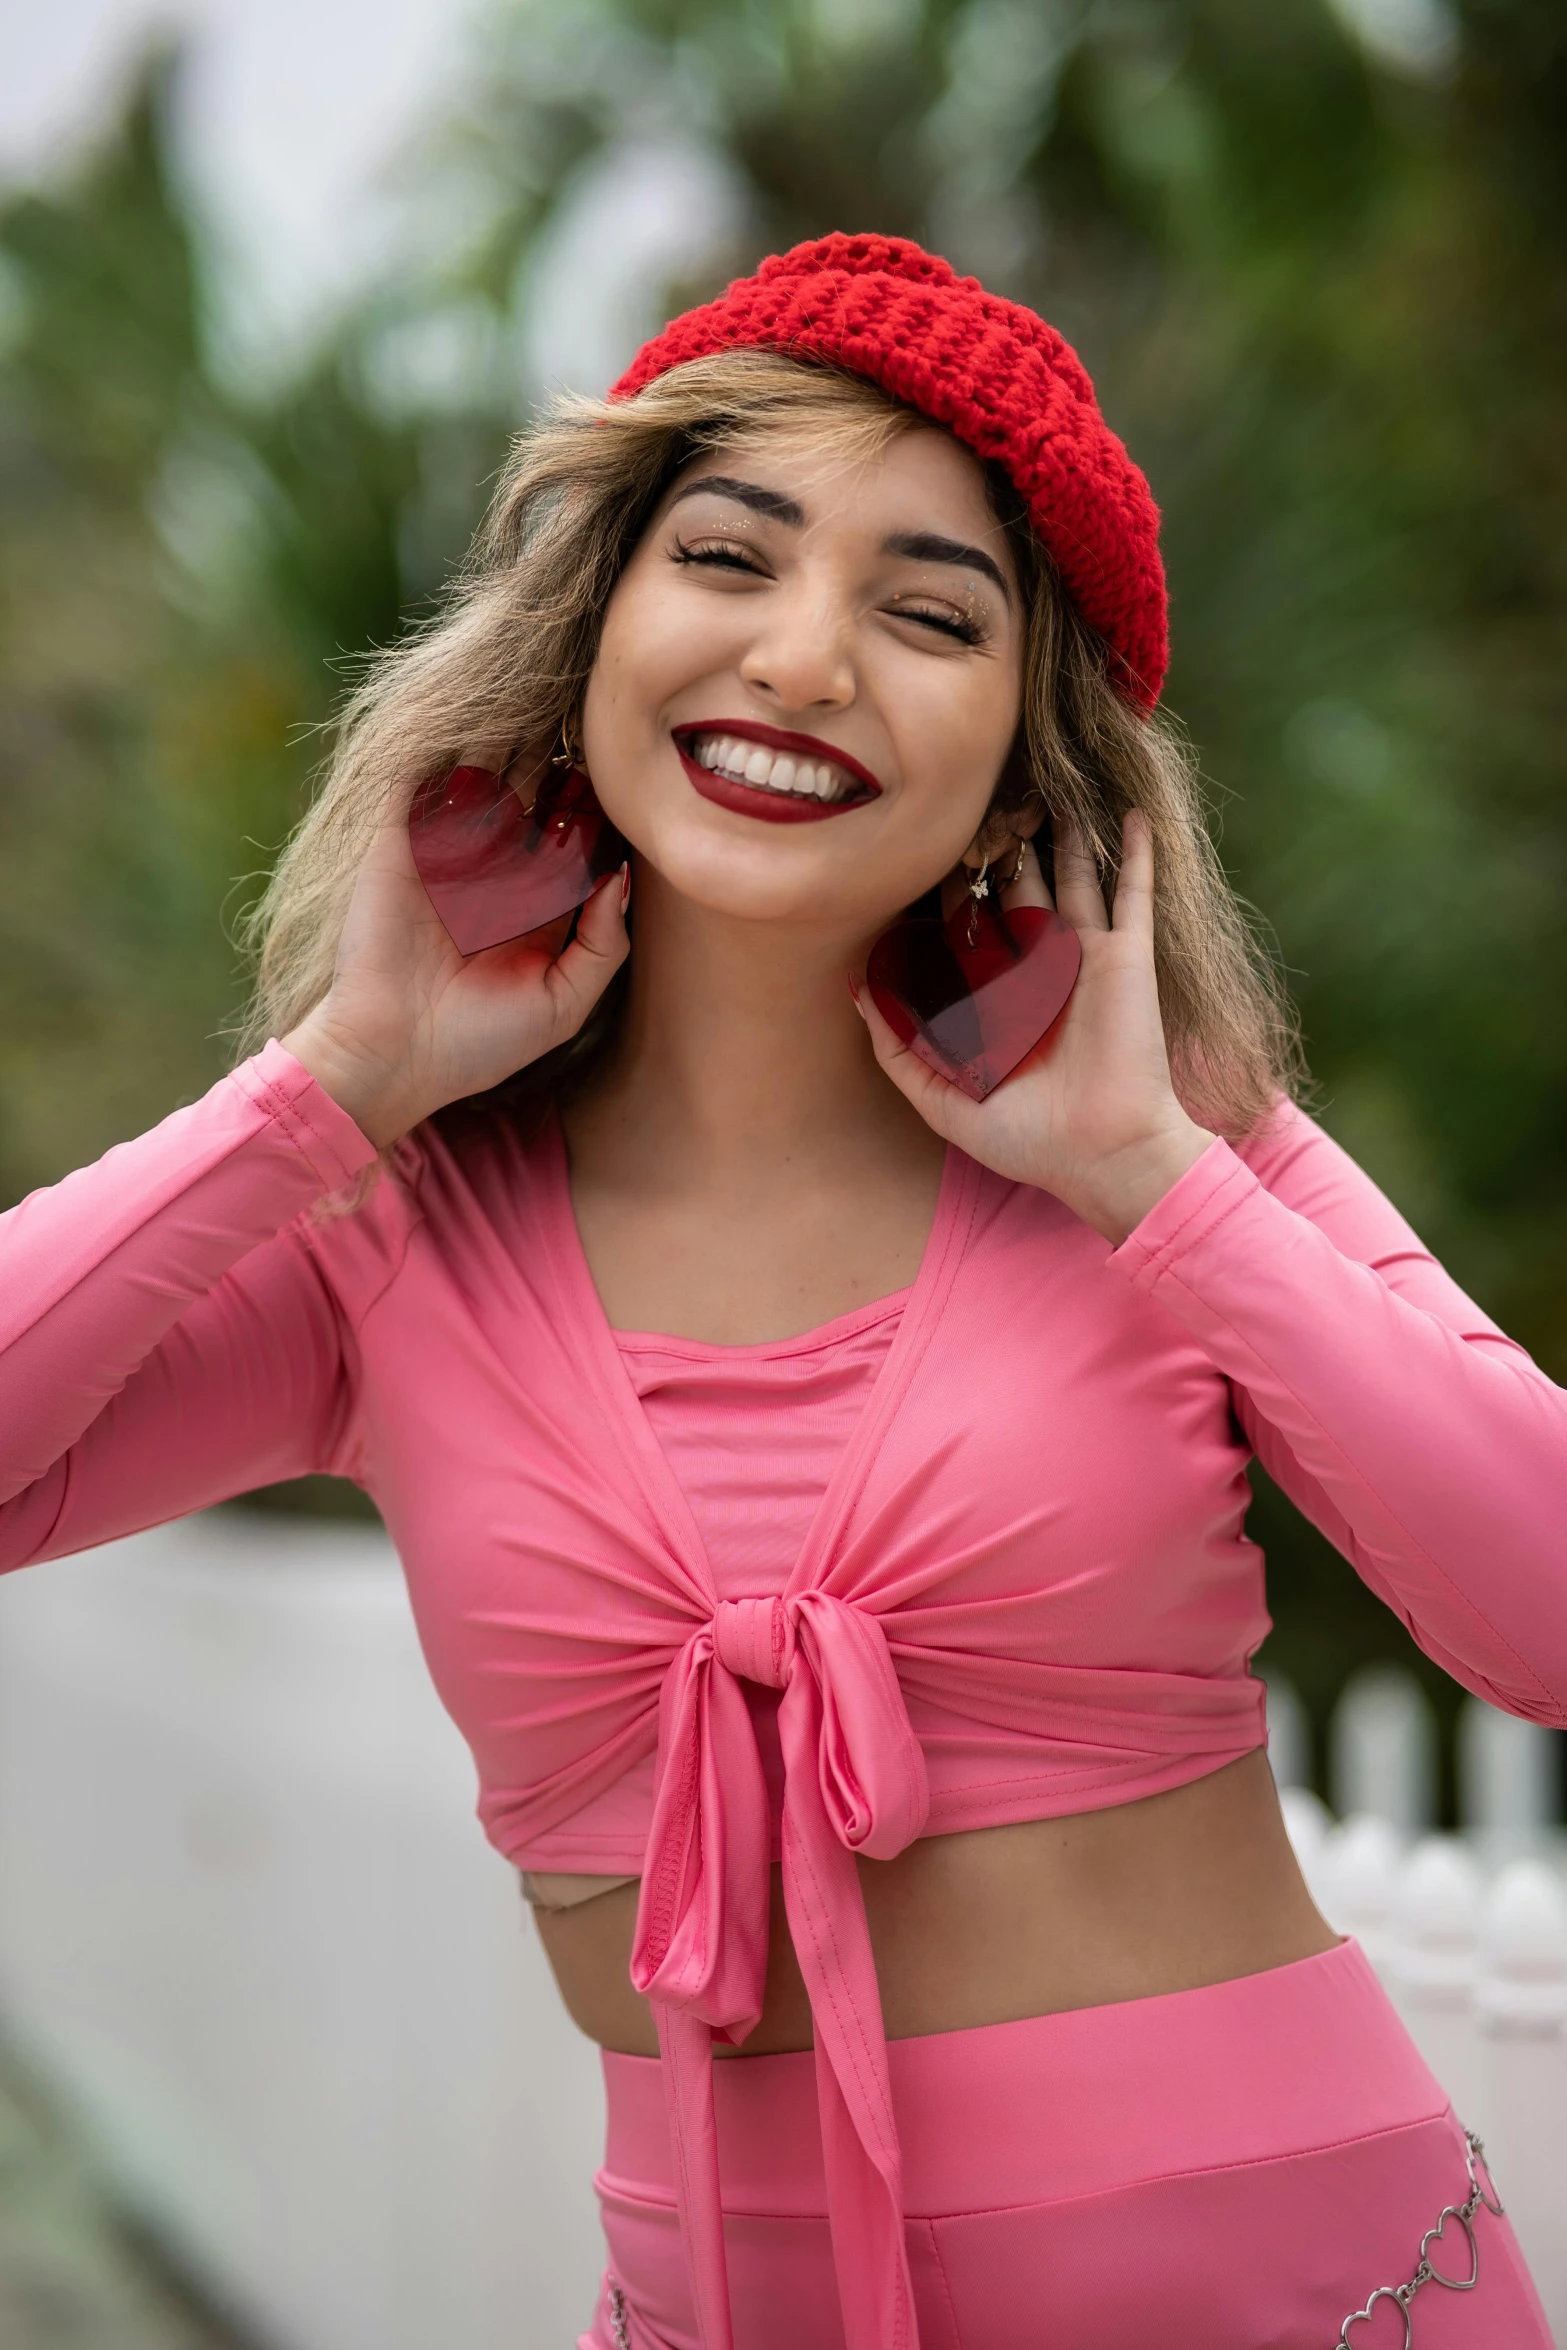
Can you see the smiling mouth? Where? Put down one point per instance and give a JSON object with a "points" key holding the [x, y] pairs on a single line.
{"points": [[763, 771]]}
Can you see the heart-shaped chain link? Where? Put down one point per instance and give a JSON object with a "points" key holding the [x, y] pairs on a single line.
{"points": [[1482, 2187], [1482, 2196], [1434, 2236], [1400, 2296]]}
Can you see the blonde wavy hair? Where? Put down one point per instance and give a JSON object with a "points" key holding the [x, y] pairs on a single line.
{"points": [[498, 674]]}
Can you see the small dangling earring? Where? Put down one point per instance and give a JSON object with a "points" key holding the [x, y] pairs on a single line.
{"points": [[978, 888], [565, 795], [570, 753]]}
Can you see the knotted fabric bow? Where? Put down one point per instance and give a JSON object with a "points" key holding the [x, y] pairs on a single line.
{"points": [[854, 1781]]}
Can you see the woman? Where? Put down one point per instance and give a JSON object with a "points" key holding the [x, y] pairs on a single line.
{"points": [[822, 1491]]}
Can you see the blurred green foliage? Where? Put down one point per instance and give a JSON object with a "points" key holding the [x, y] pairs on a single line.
{"points": [[1324, 294]]}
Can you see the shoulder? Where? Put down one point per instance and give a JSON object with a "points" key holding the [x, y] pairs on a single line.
{"points": [[450, 1179]]}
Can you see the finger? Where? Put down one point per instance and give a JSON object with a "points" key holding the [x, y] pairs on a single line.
{"points": [[391, 849], [945, 1108], [582, 971], [1078, 894], [1029, 888], [1134, 884]]}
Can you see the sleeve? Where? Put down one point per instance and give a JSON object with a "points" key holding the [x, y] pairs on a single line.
{"points": [[166, 1340], [1423, 1442]]}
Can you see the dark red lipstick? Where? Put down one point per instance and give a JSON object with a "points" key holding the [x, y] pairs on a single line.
{"points": [[773, 807]]}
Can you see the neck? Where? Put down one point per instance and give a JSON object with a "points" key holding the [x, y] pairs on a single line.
{"points": [[742, 1054]]}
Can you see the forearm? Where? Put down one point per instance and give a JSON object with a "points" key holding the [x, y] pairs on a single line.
{"points": [[97, 1270]]}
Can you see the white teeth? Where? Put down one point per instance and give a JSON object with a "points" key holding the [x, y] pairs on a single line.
{"points": [[766, 770]]}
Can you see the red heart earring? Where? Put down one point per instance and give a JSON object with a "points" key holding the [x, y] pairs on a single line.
{"points": [[494, 868], [974, 993]]}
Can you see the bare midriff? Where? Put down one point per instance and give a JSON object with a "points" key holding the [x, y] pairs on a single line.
{"points": [[1196, 1886]]}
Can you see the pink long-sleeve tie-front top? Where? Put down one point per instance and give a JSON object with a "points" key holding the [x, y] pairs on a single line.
{"points": [[1025, 1591]]}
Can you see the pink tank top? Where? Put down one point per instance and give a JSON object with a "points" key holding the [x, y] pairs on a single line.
{"points": [[753, 1433]]}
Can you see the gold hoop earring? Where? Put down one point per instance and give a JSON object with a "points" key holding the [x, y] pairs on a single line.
{"points": [[1016, 873], [570, 752], [978, 888]]}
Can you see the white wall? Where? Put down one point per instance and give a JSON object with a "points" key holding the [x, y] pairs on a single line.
{"points": [[249, 1927]]}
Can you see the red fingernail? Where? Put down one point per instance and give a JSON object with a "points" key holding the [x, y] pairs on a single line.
{"points": [[854, 991], [625, 885]]}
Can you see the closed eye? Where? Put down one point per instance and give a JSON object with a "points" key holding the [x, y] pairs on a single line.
{"points": [[953, 624], [719, 554]]}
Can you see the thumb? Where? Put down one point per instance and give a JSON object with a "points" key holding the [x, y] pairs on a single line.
{"points": [[945, 1107], [581, 972]]}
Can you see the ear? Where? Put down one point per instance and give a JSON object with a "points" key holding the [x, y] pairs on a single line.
{"points": [[1002, 829], [1017, 808]]}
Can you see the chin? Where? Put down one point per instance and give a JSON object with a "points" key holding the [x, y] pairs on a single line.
{"points": [[744, 887]]}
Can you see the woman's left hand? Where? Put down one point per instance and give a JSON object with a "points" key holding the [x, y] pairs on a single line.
{"points": [[1091, 1115]]}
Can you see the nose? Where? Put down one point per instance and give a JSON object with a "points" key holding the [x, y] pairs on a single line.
{"points": [[801, 657]]}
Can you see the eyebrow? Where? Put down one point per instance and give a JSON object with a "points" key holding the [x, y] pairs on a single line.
{"points": [[928, 546], [920, 546], [772, 503]]}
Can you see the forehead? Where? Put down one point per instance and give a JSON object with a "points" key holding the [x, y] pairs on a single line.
{"points": [[918, 478]]}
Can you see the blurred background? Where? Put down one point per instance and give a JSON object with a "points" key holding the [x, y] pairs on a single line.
{"points": [[277, 282]]}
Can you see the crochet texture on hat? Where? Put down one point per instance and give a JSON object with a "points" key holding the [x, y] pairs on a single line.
{"points": [[997, 375]]}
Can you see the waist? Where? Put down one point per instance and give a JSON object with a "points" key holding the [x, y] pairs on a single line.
{"points": [[1285, 2061], [1173, 1891]]}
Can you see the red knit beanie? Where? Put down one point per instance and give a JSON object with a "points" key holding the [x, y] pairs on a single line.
{"points": [[1001, 379]]}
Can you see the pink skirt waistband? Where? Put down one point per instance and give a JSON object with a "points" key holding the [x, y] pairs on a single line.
{"points": [[1144, 2089]]}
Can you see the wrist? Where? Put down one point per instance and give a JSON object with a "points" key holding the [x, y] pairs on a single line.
{"points": [[361, 1087], [1127, 1184]]}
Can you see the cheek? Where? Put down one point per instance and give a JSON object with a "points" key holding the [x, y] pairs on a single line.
{"points": [[615, 684], [653, 644], [954, 731], [645, 657]]}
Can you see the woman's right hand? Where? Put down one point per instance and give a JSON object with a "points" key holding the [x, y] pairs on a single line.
{"points": [[410, 1024]]}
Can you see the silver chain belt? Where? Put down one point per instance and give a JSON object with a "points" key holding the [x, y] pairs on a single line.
{"points": [[1482, 2195]]}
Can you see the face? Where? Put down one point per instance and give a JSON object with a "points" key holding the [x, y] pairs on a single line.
{"points": [[809, 679]]}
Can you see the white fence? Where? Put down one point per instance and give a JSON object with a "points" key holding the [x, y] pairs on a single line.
{"points": [[1469, 1932], [249, 1930]]}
